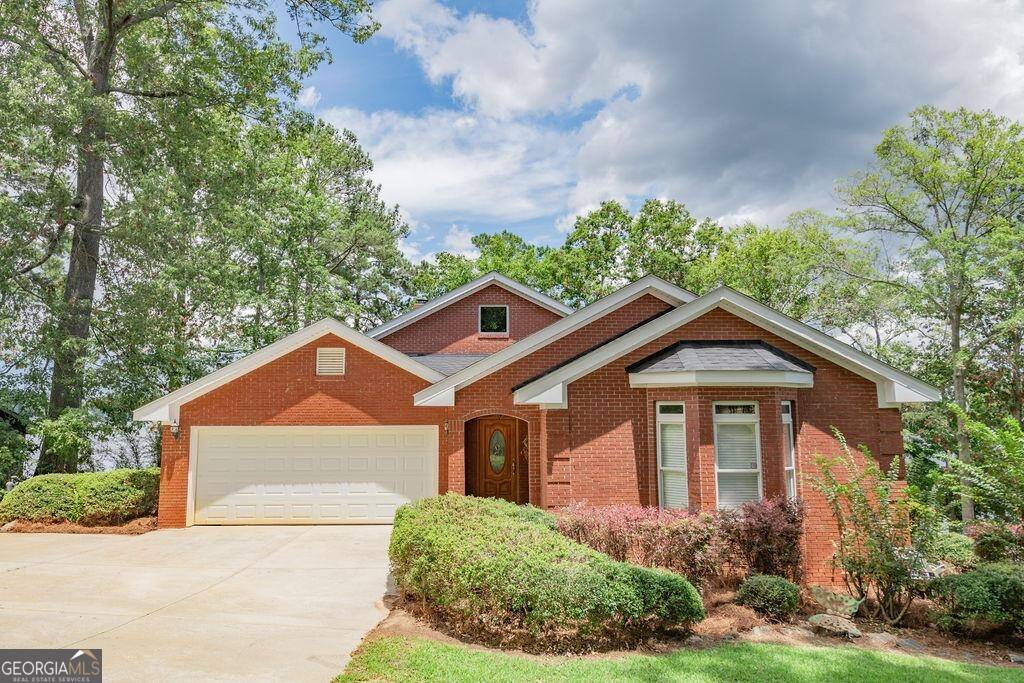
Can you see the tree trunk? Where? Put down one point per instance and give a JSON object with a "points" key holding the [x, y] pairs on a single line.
{"points": [[963, 439], [75, 318]]}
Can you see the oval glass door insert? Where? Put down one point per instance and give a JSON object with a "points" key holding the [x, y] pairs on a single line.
{"points": [[496, 450]]}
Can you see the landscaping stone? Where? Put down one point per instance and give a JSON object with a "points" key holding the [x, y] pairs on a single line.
{"points": [[833, 625], [882, 639], [910, 644], [694, 641], [761, 631], [1016, 658], [10, 525]]}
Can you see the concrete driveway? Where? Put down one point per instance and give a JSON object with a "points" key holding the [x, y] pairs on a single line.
{"points": [[198, 604]]}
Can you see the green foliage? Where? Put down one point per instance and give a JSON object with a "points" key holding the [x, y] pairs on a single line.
{"points": [[499, 573], [771, 596], [989, 598], [995, 477], [89, 498], [13, 454], [994, 542], [69, 435], [874, 529], [953, 549]]}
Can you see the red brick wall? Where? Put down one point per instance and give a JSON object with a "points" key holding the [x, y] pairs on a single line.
{"points": [[287, 391], [611, 435], [454, 328]]}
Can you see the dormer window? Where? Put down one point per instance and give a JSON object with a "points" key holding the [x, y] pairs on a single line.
{"points": [[494, 321]]}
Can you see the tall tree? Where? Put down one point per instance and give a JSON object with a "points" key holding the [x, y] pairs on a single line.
{"points": [[948, 187], [124, 76]]}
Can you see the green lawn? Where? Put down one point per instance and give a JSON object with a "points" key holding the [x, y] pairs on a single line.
{"points": [[415, 659]]}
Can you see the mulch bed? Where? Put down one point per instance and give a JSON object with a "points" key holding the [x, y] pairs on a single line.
{"points": [[728, 622], [134, 527]]}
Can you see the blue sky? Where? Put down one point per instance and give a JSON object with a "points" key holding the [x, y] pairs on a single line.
{"points": [[488, 115]]}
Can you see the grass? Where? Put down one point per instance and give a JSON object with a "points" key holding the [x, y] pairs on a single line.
{"points": [[396, 658]]}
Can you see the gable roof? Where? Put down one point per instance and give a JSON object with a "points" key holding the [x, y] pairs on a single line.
{"points": [[462, 292], [894, 386], [165, 408], [443, 393]]}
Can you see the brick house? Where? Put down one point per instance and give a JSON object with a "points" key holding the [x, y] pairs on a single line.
{"points": [[649, 396]]}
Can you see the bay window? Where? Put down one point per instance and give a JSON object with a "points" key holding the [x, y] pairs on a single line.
{"points": [[737, 453], [673, 491]]}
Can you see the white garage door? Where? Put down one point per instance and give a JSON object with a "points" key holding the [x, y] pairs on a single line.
{"points": [[310, 475]]}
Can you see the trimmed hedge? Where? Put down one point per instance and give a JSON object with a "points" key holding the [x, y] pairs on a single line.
{"points": [[87, 498], [989, 598], [771, 596], [500, 573]]}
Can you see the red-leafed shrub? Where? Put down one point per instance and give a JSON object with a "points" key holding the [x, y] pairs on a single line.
{"points": [[685, 542], [765, 536]]}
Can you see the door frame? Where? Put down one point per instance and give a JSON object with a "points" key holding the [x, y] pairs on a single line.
{"points": [[522, 434], [193, 451]]}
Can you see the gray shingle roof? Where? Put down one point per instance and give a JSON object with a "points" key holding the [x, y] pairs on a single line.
{"points": [[688, 356], [449, 363]]}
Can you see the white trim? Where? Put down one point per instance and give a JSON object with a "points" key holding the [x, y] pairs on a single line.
{"points": [[480, 320], [788, 428], [739, 418], [895, 386], [165, 409], [723, 378], [462, 292], [655, 286], [674, 418]]}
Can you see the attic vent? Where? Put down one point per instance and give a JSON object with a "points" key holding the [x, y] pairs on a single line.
{"points": [[330, 361]]}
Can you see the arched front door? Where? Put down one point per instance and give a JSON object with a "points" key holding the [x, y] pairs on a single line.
{"points": [[496, 457]]}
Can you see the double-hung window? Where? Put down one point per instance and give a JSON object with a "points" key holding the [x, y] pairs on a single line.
{"points": [[789, 448], [673, 491], [737, 453]]}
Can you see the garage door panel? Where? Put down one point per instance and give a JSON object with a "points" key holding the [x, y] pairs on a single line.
{"points": [[309, 475]]}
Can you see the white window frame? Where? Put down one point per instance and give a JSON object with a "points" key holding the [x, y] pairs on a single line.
{"points": [[677, 418], [480, 320], [789, 459], [744, 418]]}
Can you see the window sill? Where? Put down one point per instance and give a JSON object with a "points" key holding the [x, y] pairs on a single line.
{"points": [[492, 335]]}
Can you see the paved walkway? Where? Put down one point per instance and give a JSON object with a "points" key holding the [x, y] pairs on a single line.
{"points": [[257, 603]]}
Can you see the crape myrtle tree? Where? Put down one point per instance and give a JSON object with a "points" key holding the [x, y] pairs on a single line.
{"points": [[948, 188], [94, 92]]}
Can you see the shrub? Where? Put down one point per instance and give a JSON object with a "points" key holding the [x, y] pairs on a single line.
{"points": [[501, 575], [874, 531], [89, 498], [995, 542], [989, 598], [771, 596], [953, 549], [684, 542], [765, 535]]}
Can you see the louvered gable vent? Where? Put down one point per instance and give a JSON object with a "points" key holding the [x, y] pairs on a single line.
{"points": [[330, 361]]}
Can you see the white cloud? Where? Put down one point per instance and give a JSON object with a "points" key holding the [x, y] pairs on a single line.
{"points": [[741, 110], [459, 240], [309, 97], [441, 163]]}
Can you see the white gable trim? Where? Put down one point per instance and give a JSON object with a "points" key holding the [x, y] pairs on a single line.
{"points": [[165, 409], [443, 393], [894, 386], [462, 292], [800, 379]]}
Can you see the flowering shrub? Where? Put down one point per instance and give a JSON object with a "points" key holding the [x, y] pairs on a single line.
{"points": [[685, 542], [765, 535]]}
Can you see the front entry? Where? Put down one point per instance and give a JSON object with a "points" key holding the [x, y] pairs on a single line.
{"points": [[496, 457]]}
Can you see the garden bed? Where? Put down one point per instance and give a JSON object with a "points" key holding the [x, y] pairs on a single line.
{"points": [[134, 527]]}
